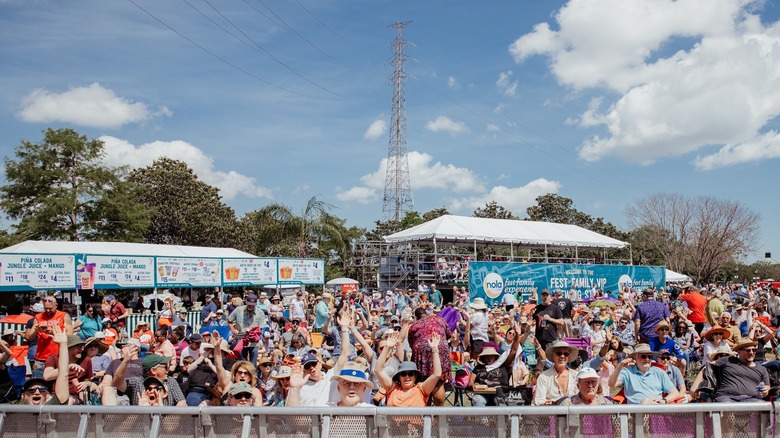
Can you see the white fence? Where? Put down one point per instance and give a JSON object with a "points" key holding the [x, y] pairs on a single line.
{"points": [[692, 420]]}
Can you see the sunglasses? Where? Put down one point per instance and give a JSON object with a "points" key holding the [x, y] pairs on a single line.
{"points": [[265, 365], [153, 388], [717, 334], [243, 396], [562, 353], [663, 329], [309, 366], [407, 374], [644, 356], [664, 357], [243, 373], [750, 350], [721, 355], [40, 389]]}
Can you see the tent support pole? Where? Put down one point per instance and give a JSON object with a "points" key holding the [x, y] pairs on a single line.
{"points": [[475, 249], [631, 254], [576, 253], [512, 251]]}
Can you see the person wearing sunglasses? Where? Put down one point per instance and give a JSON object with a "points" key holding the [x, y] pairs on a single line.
{"points": [[740, 378], [241, 394], [408, 386], [642, 382], [560, 381], [41, 330], [664, 342], [154, 393], [37, 392]]}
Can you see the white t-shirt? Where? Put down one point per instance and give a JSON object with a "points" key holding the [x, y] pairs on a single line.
{"points": [[296, 309], [318, 393], [188, 352]]}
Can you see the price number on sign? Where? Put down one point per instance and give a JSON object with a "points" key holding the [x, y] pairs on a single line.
{"points": [[53, 278], [128, 276], [9, 278], [23, 276], [42, 277], [101, 277]]}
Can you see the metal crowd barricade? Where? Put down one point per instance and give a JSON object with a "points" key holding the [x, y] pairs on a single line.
{"points": [[638, 421], [193, 317]]}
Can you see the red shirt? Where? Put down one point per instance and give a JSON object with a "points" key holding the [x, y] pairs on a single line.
{"points": [[696, 303], [46, 346], [117, 310]]}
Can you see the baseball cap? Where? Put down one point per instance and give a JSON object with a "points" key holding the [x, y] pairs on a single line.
{"points": [[37, 308], [149, 380], [587, 373], [110, 298], [152, 360], [209, 295], [308, 358], [240, 388], [251, 299], [196, 337]]}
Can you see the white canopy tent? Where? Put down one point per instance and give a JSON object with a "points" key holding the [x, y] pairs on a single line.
{"points": [[675, 277], [340, 281], [506, 232], [122, 248]]}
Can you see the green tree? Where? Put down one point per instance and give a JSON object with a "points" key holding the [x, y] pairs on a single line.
{"points": [[557, 209], [60, 189], [435, 213], [184, 210], [295, 235], [493, 210]]}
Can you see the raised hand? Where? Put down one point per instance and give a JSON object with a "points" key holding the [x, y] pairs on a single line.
{"points": [[59, 336], [433, 342], [297, 378], [392, 340]]}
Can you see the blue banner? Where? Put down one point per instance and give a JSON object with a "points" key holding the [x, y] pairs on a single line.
{"points": [[491, 281]]}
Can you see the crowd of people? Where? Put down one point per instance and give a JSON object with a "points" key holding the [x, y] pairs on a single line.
{"points": [[406, 348]]}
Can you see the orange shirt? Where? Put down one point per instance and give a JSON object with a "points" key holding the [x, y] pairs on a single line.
{"points": [[147, 340], [111, 335], [46, 346], [412, 398], [696, 303]]}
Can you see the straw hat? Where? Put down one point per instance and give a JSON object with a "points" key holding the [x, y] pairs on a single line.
{"points": [[643, 349], [102, 348], [660, 325], [744, 343], [562, 345], [478, 304], [282, 373], [488, 351], [722, 349], [354, 372], [724, 331]]}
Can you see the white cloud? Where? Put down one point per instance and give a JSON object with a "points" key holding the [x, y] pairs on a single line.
{"points": [[120, 153], [452, 82], [514, 199], [445, 124], [761, 147], [499, 108], [361, 195], [376, 130], [492, 128], [92, 106], [506, 84], [688, 74], [425, 174]]}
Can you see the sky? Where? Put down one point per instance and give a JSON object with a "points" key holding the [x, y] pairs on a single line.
{"points": [[602, 101]]}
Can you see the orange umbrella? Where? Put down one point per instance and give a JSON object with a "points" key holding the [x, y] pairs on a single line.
{"points": [[16, 319]]}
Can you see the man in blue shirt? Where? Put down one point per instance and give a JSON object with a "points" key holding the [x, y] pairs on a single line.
{"points": [[648, 315], [642, 382]]}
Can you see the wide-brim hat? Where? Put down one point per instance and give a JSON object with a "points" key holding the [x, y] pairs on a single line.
{"points": [[102, 348], [282, 372], [489, 351], [722, 330], [559, 345], [478, 304], [660, 325], [722, 349], [74, 340], [643, 349], [744, 343], [408, 366], [354, 372], [223, 346]]}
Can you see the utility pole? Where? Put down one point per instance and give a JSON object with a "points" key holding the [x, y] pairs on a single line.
{"points": [[397, 198]]}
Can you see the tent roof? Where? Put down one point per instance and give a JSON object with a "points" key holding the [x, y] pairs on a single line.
{"points": [[672, 276], [452, 229], [122, 248]]}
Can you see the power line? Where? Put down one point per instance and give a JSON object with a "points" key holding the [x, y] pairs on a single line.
{"points": [[223, 59]]}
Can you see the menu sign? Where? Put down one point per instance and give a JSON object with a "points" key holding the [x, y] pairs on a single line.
{"points": [[301, 271], [36, 271], [188, 272], [248, 272], [114, 272]]}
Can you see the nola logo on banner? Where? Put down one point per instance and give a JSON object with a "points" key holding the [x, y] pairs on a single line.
{"points": [[493, 285]]}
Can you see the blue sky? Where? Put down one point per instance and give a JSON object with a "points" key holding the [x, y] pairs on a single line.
{"points": [[601, 101]]}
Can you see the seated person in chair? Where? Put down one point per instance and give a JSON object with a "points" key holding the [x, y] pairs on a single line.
{"points": [[494, 370]]}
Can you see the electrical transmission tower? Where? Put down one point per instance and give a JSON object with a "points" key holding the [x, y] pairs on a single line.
{"points": [[397, 199]]}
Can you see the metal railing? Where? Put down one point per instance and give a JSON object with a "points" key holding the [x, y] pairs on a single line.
{"points": [[639, 421]]}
